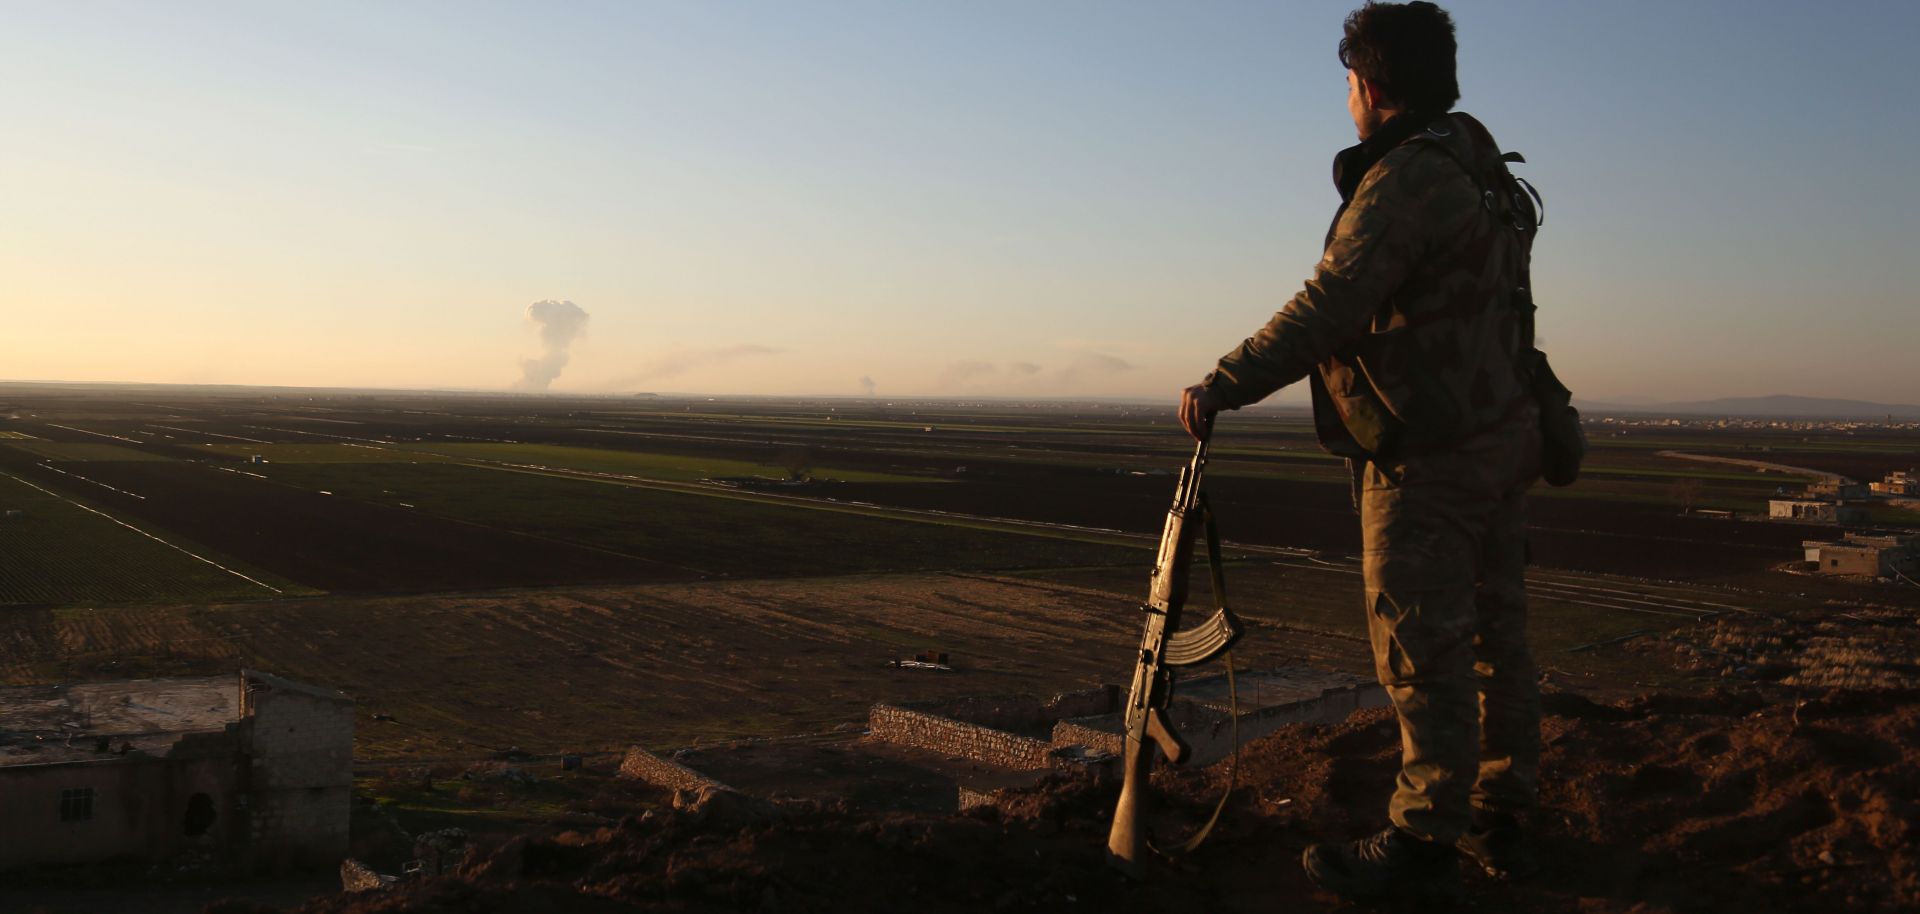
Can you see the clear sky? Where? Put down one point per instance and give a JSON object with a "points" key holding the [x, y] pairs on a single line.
{"points": [[995, 198]]}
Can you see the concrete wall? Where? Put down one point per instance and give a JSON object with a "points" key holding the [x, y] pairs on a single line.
{"points": [[644, 766], [300, 772], [139, 809], [935, 733]]}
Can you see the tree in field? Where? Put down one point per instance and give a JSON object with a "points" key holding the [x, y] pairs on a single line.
{"points": [[1687, 493], [797, 461]]}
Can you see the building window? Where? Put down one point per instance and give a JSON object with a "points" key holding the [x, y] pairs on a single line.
{"points": [[76, 804], [200, 815]]}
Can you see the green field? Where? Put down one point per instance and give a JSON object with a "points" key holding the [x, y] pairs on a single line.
{"points": [[712, 534], [325, 453], [57, 553], [668, 467], [80, 451]]}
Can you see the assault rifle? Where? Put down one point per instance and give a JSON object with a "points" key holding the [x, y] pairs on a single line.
{"points": [[1163, 646]]}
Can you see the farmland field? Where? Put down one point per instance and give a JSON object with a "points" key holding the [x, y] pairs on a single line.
{"points": [[55, 551], [82, 451], [677, 467], [570, 573]]}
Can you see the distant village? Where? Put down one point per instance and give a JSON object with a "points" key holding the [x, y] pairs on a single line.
{"points": [[1755, 424], [1842, 502]]}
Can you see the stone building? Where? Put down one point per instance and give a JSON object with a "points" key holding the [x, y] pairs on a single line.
{"points": [[1872, 556], [1898, 482], [253, 770], [1815, 511], [1837, 490]]}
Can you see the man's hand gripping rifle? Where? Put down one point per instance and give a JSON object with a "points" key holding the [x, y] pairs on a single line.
{"points": [[1163, 646]]}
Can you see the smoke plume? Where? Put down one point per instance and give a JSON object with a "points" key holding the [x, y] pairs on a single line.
{"points": [[866, 384], [561, 322]]}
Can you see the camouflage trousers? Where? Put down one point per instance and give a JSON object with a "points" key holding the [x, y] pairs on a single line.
{"points": [[1445, 550]]}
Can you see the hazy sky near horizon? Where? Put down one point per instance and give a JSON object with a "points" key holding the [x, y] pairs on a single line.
{"points": [[992, 198]]}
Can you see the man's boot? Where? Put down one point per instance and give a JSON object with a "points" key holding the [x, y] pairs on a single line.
{"points": [[1497, 843], [1390, 865]]}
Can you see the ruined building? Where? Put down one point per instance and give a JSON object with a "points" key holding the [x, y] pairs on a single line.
{"points": [[1816, 511], [253, 771]]}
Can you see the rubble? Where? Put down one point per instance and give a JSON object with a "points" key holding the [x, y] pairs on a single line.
{"points": [[1756, 797]]}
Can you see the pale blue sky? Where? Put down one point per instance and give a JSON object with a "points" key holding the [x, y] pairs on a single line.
{"points": [[987, 198]]}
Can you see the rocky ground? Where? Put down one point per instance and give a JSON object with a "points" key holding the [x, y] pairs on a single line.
{"points": [[1753, 797]]}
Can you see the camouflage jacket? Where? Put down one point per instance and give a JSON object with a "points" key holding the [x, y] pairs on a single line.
{"points": [[1410, 325]]}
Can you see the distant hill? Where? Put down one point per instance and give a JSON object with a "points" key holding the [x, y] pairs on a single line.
{"points": [[1778, 406]]}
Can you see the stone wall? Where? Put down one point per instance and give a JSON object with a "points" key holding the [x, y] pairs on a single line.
{"points": [[1070, 733], [644, 766], [300, 772], [919, 729], [1016, 713]]}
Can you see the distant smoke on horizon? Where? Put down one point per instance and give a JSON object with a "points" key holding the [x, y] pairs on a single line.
{"points": [[1085, 365], [867, 385], [679, 363], [561, 322], [1090, 364], [962, 372]]}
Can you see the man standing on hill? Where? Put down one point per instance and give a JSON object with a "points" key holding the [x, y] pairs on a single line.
{"points": [[1409, 334]]}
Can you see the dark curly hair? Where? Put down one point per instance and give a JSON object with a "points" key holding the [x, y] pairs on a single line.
{"points": [[1405, 49]]}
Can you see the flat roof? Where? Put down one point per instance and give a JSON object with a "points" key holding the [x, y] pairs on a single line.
{"points": [[44, 724]]}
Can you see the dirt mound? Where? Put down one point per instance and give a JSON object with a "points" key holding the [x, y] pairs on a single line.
{"points": [[1732, 800], [1851, 647]]}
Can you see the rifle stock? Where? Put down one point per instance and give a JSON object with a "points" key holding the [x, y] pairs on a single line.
{"points": [[1163, 646]]}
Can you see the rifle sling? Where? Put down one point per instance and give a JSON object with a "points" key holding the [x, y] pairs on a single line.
{"points": [[1233, 693]]}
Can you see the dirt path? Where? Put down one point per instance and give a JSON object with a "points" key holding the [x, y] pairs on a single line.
{"points": [[1756, 464]]}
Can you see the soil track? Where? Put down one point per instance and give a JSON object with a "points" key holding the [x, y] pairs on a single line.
{"points": [[1862, 467]]}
